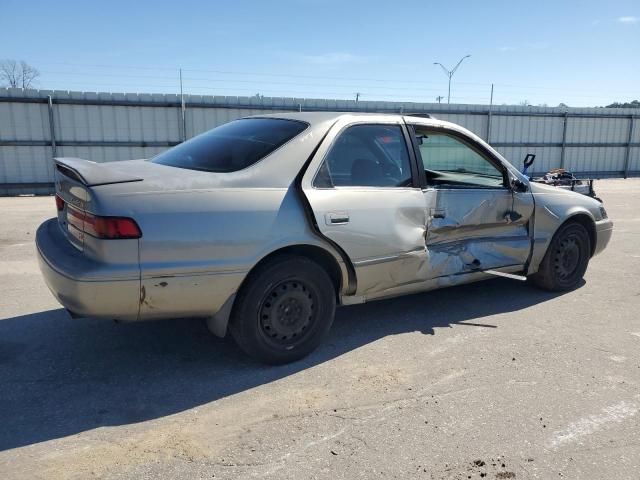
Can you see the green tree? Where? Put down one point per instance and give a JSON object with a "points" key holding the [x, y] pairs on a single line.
{"points": [[632, 104]]}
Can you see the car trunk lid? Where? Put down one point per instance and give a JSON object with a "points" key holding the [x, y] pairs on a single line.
{"points": [[92, 174], [75, 179]]}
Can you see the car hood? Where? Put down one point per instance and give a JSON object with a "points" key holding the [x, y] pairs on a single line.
{"points": [[566, 200], [543, 188]]}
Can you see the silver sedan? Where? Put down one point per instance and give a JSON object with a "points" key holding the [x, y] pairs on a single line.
{"points": [[263, 225]]}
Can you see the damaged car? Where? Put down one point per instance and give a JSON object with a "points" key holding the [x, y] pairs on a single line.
{"points": [[262, 226]]}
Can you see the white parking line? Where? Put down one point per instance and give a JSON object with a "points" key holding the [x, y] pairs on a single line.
{"points": [[586, 426]]}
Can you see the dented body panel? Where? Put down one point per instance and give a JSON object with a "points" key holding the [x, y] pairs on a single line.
{"points": [[475, 231], [203, 233], [385, 238]]}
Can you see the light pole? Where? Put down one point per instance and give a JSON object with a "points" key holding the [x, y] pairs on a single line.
{"points": [[450, 73]]}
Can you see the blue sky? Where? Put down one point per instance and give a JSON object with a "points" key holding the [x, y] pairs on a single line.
{"points": [[582, 53]]}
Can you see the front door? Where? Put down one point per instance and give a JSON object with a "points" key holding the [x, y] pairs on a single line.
{"points": [[477, 222], [366, 198]]}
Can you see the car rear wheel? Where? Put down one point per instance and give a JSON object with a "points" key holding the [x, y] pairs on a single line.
{"points": [[284, 310], [566, 260]]}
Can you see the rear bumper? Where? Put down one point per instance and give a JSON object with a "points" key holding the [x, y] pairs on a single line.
{"points": [[604, 230], [83, 286]]}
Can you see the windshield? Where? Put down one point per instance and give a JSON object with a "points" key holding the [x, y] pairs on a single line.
{"points": [[232, 146]]}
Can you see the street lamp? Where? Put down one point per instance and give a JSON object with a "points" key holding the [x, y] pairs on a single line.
{"points": [[450, 73]]}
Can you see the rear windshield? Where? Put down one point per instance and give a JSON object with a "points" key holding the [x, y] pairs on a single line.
{"points": [[232, 146]]}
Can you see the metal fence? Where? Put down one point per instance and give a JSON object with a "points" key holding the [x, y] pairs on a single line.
{"points": [[36, 125]]}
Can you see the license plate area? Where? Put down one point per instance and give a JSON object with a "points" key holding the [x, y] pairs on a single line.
{"points": [[72, 219], [76, 236]]}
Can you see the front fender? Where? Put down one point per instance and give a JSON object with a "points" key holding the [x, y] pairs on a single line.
{"points": [[553, 207]]}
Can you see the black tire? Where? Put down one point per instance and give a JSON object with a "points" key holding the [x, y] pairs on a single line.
{"points": [[283, 310], [566, 260]]}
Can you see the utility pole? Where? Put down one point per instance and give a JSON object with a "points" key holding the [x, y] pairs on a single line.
{"points": [[489, 113], [357, 97], [182, 111], [439, 98], [450, 73]]}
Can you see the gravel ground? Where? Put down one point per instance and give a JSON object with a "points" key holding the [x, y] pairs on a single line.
{"points": [[489, 380]]}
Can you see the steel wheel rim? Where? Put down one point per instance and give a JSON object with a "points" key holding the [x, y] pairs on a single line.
{"points": [[568, 257], [286, 313]]}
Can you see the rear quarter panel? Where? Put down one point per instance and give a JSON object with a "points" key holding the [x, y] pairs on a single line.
{"points": [[198, 246]]}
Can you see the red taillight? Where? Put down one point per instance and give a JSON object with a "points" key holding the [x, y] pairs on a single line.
{"points": [[113, 227], [59, 203], [104, 227]]}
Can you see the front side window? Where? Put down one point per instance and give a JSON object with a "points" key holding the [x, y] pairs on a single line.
{"points": [[367, 156], [232, 146], [448, 161]]}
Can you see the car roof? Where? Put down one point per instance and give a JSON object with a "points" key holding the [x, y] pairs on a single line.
{"points": [[319, 117]]}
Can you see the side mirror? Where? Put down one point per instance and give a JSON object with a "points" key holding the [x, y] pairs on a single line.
{"points": [[518, 185]]}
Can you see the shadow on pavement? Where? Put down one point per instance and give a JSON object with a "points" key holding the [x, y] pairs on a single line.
{"points": [[60, 376]]}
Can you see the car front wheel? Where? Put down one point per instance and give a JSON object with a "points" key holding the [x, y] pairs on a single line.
{"points": [[566, 260], [284, 310]]}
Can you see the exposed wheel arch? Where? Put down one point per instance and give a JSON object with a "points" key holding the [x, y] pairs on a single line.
{"points": [[218, 323], [566, 259], [318, 254]]}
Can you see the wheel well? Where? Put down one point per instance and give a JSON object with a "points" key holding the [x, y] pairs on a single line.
{"points": [[587, 222], [317, 254]]}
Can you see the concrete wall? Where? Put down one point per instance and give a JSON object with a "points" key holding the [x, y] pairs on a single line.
{"points": [[102, 127]]}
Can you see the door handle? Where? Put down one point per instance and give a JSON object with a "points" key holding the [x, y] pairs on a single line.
{"points": [[437, 212], [336, 218], [511, 217]]}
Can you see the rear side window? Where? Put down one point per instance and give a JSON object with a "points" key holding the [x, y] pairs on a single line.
{"points": [[369, 155], [232, 146]]}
